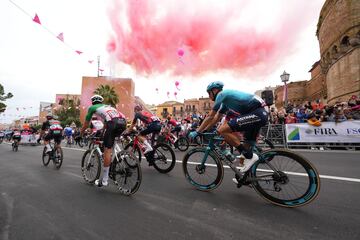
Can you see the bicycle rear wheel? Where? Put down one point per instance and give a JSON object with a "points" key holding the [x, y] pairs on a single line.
{"points": [[163, 158], [91, 166], [58, 157], [45, 157], [205, 177], [287, 180], [126, 173]]}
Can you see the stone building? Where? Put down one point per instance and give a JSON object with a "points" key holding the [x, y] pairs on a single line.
{"points": [[338, 33], [336, 76]]}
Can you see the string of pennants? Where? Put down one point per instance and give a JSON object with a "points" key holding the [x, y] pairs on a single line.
{"points": [[60, 36]]}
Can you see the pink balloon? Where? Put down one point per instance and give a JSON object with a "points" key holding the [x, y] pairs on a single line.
{"points": [[177, 83], [175, 93], [180, 52], [156, 89]]}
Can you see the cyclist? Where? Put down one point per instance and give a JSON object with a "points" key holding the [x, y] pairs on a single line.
{"points": [[68, 132], [54, 132], [152, 125], [174, 127], [16, 136], [252, 116], [2, 136], [115, 124]]}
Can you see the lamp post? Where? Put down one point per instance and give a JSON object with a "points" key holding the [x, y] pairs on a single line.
{"points": [[285, 78]]}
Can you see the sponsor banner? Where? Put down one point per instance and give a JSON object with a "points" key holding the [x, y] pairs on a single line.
{"points": [[344, 132]]}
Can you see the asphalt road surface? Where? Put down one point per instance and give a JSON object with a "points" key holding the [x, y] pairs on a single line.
{"points": [[38, 202]]}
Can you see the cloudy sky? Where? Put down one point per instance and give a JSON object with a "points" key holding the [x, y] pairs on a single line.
{"points": [[245, 43]]}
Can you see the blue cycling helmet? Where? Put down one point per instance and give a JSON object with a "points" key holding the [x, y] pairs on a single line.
{"points": [[216, 84]]}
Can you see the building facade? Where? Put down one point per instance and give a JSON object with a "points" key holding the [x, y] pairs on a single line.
{"points": [[338, 33], [336, 76], [124, 87]]}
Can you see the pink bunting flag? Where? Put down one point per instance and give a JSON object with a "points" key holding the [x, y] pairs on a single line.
{"points": [[90, 61], [168, 93], [175, 94], [101, 70], [177, 83], [78, 52], [17, 109], [37, 19], [61, 37]]}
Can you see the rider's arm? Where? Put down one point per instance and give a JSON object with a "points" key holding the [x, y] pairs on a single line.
{"points": [[210, 121], [84, 127]]}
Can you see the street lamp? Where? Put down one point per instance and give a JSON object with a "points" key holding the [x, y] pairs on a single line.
{"points": [[285, 78]]}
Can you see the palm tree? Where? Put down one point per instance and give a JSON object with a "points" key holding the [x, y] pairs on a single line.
{"points": [[108, 93]]}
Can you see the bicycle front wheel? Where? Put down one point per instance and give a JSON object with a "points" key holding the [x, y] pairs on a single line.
{"points": [[126, 172], [91, 166], [182, 144], [204, 177], [163, 158], [285, 178]]}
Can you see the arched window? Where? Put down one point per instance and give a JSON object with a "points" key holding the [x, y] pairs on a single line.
{"points": [[345, 41], [334, 50]]}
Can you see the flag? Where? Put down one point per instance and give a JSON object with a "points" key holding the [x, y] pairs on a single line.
{"points": [[78, 52], [90, 61], [61, 37], [37, 19]]}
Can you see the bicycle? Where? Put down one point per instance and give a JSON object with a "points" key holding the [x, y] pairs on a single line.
{"points": [[123, 167], [15, 145], [69, 141], [182, 143], [156, 158], [266, 176], [56, 155]]}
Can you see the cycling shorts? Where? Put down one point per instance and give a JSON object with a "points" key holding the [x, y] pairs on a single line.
{"points": [[113, 129], [176, 129], [56, 135], [249, 124], [154, 127]]}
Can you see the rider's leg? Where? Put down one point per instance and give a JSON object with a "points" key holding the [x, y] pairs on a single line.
{"points": [[47, 139]]}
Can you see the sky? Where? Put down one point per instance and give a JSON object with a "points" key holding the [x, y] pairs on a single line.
{"points": [[247, 44]]}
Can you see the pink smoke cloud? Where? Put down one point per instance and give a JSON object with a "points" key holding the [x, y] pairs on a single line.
{"points": [[212, 35]]}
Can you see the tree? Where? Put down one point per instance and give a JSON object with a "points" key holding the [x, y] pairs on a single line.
{"points": [[108, 93], [3, 97], [69, 112]]}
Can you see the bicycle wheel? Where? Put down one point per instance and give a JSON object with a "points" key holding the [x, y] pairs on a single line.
{"points": [[163, 158], [134, 150], [58, 157], [127, 177], [91, 165], [182, 144], [45, 157], [295, 182], [205, 177]]}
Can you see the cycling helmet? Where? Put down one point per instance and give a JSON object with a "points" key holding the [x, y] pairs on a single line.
{"points": [[97, 99], [217, 85], [49, 116], [138, 107]]}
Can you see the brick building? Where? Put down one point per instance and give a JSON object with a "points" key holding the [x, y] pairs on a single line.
{"points": [[124, 87]]}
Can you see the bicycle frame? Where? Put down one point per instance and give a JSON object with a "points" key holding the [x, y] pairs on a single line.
{"points": [[212, 146]]}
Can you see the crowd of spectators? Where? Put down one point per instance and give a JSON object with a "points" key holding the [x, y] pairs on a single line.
{"points": [[316, 112]]}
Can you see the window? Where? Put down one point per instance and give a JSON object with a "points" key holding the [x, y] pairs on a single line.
{"points": [[345, 41]]}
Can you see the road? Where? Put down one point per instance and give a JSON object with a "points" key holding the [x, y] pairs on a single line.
{"points": [[38, 202]]}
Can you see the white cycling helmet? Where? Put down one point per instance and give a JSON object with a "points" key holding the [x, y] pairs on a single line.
{"points": [[97, 99]]}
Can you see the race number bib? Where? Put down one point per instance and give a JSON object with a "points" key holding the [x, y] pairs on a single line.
{"points": [[112, 113]]}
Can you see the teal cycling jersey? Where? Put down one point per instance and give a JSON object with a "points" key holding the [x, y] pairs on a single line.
{"points": [[237, 102]]}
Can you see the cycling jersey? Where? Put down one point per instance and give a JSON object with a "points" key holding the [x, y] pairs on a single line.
{"points": [[2, 134], [68, 131], [96, 125], [17, 134], [105, 112], [238, 102], [172, 122], [145, 117]]}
